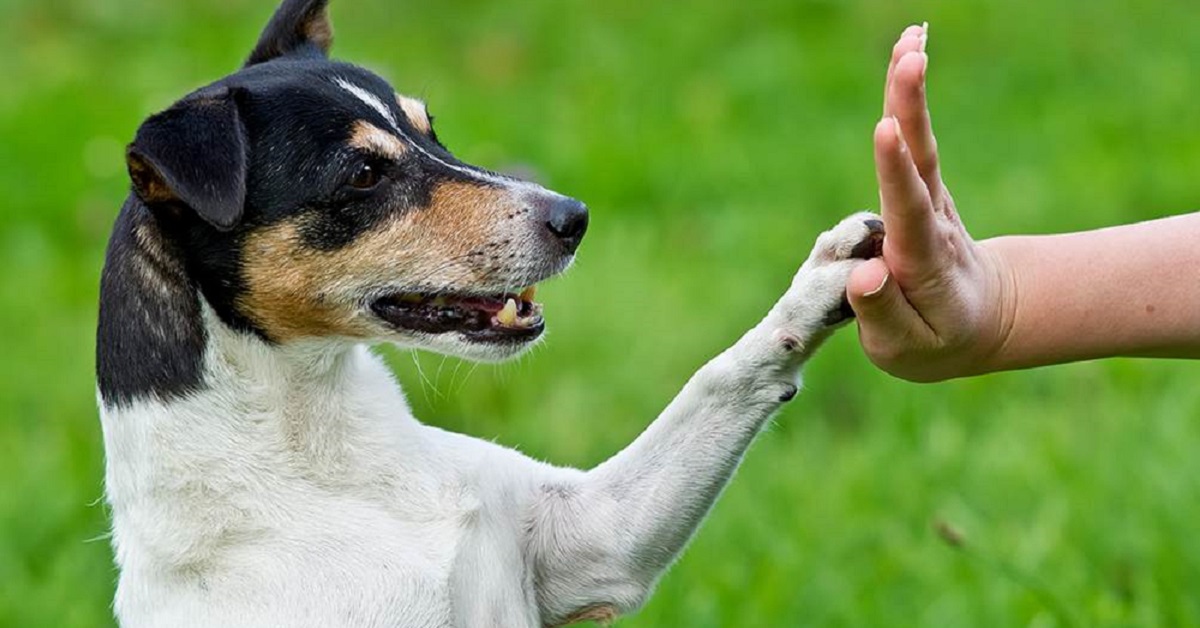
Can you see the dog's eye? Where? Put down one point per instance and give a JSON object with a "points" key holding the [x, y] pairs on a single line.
{"points": [[365, 178]]}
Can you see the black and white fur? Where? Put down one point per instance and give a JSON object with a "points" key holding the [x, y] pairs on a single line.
{"points": [[263, 466]]}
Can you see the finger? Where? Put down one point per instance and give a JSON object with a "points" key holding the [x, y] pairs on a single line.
{"points": [[911, 39], [905, 205], [908, 103], [885, 317]]}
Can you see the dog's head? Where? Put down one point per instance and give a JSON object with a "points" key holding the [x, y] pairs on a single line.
{"points": [[309, 199]]}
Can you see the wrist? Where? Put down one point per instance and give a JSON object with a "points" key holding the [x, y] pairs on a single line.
{"points": [[998, 350]]}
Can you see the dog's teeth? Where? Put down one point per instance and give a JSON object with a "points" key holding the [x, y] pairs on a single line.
{"points": [[508, 315], [528, 293]]}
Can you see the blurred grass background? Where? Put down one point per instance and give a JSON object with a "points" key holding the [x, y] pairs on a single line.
{"points": [[712, 140]]}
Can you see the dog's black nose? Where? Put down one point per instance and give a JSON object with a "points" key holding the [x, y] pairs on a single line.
{"points": [[567, 219]]}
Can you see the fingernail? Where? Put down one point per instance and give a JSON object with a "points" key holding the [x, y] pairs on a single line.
{"points": [[924, 62], [882, 284], [899, 134]]}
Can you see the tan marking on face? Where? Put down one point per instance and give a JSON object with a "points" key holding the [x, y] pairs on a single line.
{"points": [[294, 291], [368, 137], [288, 293], [415, 111]]}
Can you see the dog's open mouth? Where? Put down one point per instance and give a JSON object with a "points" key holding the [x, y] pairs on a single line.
{"points": [[498, 318]]}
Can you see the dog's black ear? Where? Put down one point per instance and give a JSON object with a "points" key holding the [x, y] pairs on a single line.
{"points": [[194, 154], [298, 26]]}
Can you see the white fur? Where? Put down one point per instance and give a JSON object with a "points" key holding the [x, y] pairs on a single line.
{"points": [[298, 490]]}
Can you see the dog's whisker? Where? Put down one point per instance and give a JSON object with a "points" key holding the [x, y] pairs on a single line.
{"points": [[467, 378], [426, 385], [103, 536], [437, 377], [454, 376]]}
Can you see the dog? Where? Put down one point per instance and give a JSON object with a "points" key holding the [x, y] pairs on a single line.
{"points": [[262, 465]]}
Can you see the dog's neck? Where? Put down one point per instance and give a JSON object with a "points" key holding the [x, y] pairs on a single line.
{"points": [[196, 412]]}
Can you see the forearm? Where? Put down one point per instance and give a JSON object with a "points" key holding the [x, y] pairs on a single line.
{"points": [[603, 538], [1132, 290], [684, 458]]}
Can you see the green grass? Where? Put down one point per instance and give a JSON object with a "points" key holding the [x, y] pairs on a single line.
{"points": [[712, 140]]}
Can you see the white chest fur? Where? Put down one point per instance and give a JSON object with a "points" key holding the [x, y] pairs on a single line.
{"points": [[298, 490]]}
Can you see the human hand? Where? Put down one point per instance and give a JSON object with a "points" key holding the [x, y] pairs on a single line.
{"points": [[937, 305]]}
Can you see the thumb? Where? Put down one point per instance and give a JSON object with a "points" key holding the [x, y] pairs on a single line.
{"points": [[885, 317]]}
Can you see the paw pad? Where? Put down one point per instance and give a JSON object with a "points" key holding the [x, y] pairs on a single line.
{"points": [[871, 246]]}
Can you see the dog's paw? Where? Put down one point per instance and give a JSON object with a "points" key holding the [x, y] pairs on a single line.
{"points": [[858, 237], [817, 298]]}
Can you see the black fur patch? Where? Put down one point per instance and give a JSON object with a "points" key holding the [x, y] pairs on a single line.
{"points": [[150, 338]]}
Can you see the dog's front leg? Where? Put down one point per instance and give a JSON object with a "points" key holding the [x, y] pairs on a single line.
{"points": [[599, 540]]}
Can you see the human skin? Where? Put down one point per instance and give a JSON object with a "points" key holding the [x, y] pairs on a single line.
{"points": [[939, 305]]}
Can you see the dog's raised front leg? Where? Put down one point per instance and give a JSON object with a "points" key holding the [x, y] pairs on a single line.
{"points": [[600, 539]]}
